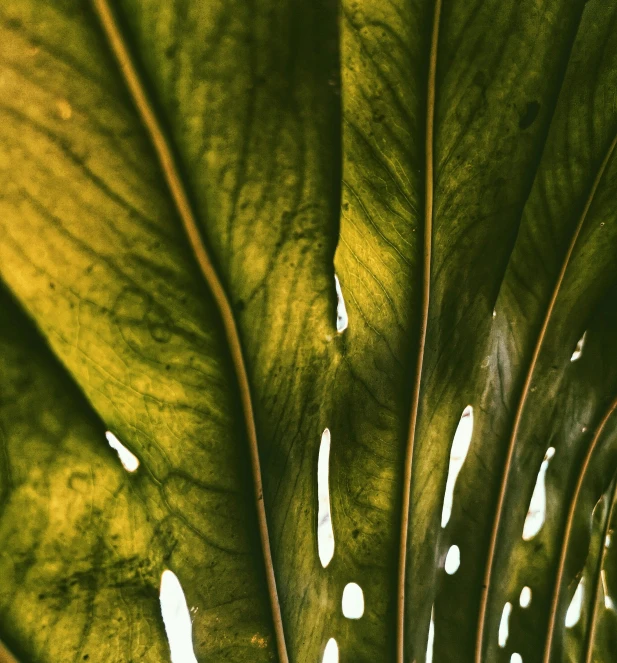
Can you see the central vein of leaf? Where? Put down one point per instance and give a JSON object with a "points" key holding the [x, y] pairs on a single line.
{"points": [[426, 282]]}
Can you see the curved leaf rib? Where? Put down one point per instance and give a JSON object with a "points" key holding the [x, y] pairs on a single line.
{"points": [[426, 285], [569, 527], [5, 655], [486, 585], [177, 189], [591, 633]]}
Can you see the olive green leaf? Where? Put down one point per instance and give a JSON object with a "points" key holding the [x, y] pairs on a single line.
{"points": [[230, 231]]}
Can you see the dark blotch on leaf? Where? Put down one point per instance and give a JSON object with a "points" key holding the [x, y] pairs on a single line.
{"points": [[528, 117], [13, 23]]}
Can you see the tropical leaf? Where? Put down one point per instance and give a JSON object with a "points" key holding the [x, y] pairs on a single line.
{"points": [[231, 230]]}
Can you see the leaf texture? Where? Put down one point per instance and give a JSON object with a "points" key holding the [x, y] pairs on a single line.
{"points": [[179, 184]]}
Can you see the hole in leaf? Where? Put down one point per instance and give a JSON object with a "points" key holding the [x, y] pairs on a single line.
{"points": [[453, 560], [353, 601], [460, 447], [575, 607], [608, 601], [431, 638], [330, 654], [607, 541], [504, 625], [129, 461], [177, 619], [342, 321], [536, 513], [578, 351], [516, 658], [325, 533], [525, 597]]}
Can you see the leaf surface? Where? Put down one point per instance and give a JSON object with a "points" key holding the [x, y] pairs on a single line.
{"points": [[180, 182]]}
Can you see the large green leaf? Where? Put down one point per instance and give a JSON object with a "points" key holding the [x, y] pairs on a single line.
{"points": [[179, 183]]}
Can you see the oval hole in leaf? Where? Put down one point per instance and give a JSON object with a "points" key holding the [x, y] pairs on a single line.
{"points": [[458, 453], [504, 625], [536, 513], [453, 560], [576, 604], [330, 654], [516, 658], [353, 601], [525, 597], [325, 532], [578, 351], [129, 460], [177, 619], [342, 322]]}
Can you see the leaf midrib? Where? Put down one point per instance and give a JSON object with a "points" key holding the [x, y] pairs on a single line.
{"points": [[163, 149], [426, 283]]}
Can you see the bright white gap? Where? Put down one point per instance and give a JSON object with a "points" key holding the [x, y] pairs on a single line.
{"points": [[177, 619], [129, 461], [460, 447], [516, 658], [353, 601], [330, 654], [525, 597], [536, 515], [607, 541], [453, 560], [325, 533], [574, 610], [578, 351], [608, 601], [342, 321], [504, 625], [431, 638]]}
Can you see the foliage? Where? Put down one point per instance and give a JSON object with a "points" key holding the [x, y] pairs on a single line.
{"points": [[179, 184]]}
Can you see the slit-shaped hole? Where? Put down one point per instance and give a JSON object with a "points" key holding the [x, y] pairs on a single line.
{"points": [[325, 533], [330, 654], [578, 350], [342, 322], [129, 460], [608, 601], [525, 597], [453, 560], [353, 601], [430, 644], [504, 625], [516, 658], [536, 513], [607, 541], [576, 605], [458, 453], [177, 619]]}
